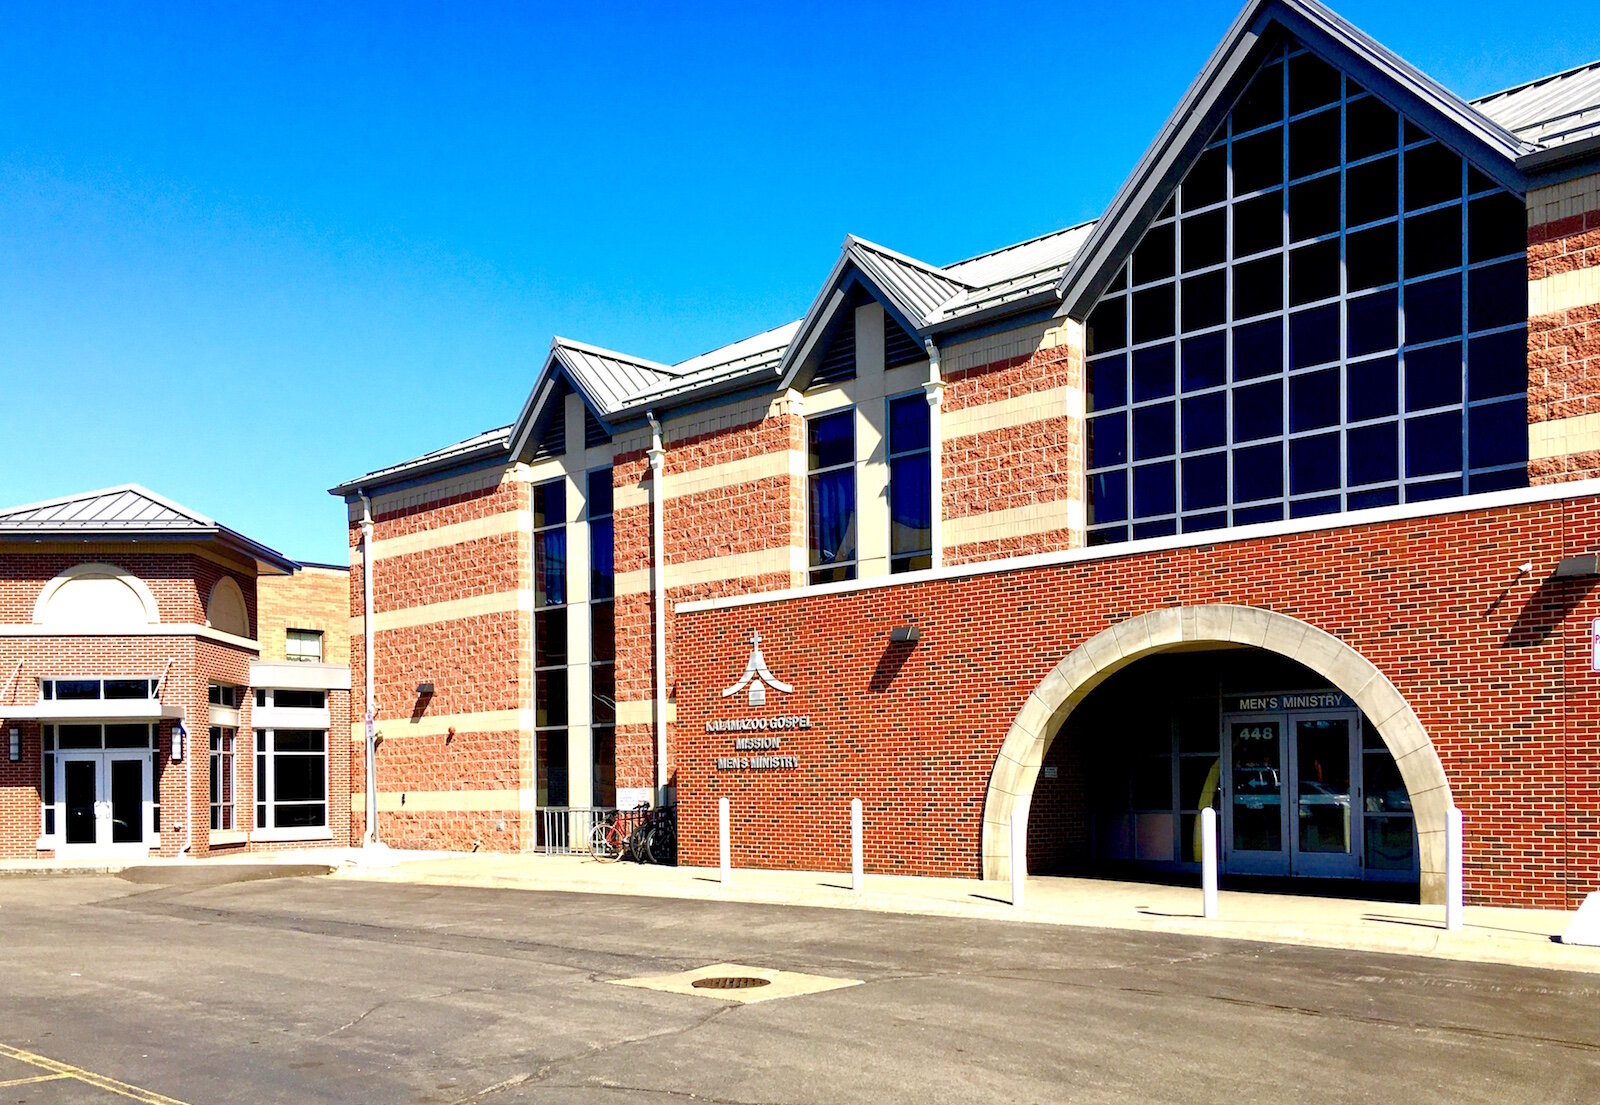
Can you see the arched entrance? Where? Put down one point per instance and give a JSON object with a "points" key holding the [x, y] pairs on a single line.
{"points": [[1086, 667]]}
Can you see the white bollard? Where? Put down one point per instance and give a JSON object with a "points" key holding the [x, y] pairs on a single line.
{"points": [[1019, 853], [1208, 863], [723, 841], [858, 878], [1454, 889]]}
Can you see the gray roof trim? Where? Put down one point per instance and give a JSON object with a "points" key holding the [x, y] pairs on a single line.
{"points": [[127, 510], [1209, 97], [487, 445]]}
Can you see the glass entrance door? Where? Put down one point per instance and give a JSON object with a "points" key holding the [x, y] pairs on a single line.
{"points": [[1255, 822], [1326, 815], [103, 801]]}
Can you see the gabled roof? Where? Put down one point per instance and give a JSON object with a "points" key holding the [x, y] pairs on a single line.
{"points": [[127, 511], [1489, 144], [1552, 112]]}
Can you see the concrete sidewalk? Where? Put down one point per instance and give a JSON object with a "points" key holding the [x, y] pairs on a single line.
{"points": [[1516, 937]]}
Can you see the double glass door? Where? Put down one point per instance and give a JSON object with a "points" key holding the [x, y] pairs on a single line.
{"points": [[1291, 799], [103, 801]]}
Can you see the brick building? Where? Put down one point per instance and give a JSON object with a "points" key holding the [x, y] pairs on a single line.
{"points": [[1272, 490], [139, 712]]}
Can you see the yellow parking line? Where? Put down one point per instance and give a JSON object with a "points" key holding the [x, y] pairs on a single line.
{"points": [[59, 1069], [9, 1082]]}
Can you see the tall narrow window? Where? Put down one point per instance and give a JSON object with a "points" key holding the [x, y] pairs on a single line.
{"points": [[831, 496], [222, 777], [910, 485], [602, 640], [550, 640], [1331, 315], [47, 782]]}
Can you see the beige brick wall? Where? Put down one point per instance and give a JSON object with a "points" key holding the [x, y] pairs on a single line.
{"points": [[313, 598]]}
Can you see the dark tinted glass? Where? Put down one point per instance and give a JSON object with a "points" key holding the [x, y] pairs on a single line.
{"points": [[1153, 432], [1371, 127], [1153, 257], [1153, 313], [1314, 336], [1313, 272], [1205, 361], [1372, 323], [1258, 224], [1433, 376], [1372, 191], [1314, 208], [1154, 370], [1258, 286], [1372, 453], [1154, 489], [1313, 144], [1108, 382], [1205, 240], [1372, 389], [1372, 257], [1107, 329], [1258, 474], [1257, 162], [1433, 309], [1312, 84], [1207, 181], [1258, 411], [1497, 433], [1258, 349], [1433, 175], [1314, 464], [1433, 444], [1262, 102], [1497, 226], [1205, 481], [1497, 364], [1497, 295], [599, 493], [1433, 241], [831, 440], [1205, 301], [1314, 400], [908, 424], [1205, 421], [549, 503]]}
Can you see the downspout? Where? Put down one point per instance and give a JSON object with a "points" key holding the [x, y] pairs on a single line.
{"points": [[188, 792], [658, 574], [368, 655], [934, 390]]}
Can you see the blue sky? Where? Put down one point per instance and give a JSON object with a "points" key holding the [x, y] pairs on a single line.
{"points": [[250, 250]]}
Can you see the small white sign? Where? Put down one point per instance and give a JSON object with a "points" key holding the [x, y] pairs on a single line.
{"points": [[1594, 642]]}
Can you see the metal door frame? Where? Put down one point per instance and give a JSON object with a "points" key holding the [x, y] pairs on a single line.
{"points": [[1326, 865], [1249, 862], [103, 844]]}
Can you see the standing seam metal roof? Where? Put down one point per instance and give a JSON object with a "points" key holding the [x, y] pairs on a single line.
{"points": [[1551, 111]]}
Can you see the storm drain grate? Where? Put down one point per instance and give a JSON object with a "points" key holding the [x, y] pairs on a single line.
{"points": [[730, 982], [738, 982]]}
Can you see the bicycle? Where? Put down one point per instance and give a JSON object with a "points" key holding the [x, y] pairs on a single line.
{"points": [[612, 836]]}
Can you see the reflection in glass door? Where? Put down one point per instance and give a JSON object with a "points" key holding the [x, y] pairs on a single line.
{"points": [[80, 792], [1325, 816], [1255, 831]]}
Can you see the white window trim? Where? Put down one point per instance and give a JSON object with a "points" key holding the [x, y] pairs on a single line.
{"points": [[233, 779], [855, 476], [268, 792]]}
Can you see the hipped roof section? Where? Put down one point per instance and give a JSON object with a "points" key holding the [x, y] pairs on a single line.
{"points": [[129, 512], [1511, 135]]}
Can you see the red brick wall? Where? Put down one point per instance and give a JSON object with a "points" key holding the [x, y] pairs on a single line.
{"points": [[1564, 347], [1496, 668], [477, 664], [1018, 466], [194, 663]]}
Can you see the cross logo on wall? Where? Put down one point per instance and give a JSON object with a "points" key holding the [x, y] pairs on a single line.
{"points": [[757, 677]]}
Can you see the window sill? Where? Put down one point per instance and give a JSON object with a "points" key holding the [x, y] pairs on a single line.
{"points": [[223, 837], [284, 836]]}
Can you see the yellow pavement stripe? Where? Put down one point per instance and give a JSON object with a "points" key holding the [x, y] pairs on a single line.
{"points": [[98, 1081], [9, 1082]]}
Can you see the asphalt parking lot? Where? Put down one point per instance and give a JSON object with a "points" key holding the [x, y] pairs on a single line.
{"points": [[312, 990]]}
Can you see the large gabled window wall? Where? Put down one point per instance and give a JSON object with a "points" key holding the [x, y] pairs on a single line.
{"points": [[1329, 314], [550, 640]]}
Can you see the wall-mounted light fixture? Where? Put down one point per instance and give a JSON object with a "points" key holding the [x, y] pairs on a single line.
{"points": [[16, 745], [905, 635], [425, 688], [1578, 567], [178, 735]]}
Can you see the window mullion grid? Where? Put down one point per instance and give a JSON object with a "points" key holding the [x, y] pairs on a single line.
{"points": [[1461, 342], [1227, 345], [1400, 308], [1283, 374], [1344, 294]]}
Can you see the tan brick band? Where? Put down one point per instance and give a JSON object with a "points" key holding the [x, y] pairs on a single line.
{"points": [[442, 801], [1562, 437], [454, 610], [1022, 521], [438, 725], [1016, 411], [716, 569], [456, 533], [1564, 291]]}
